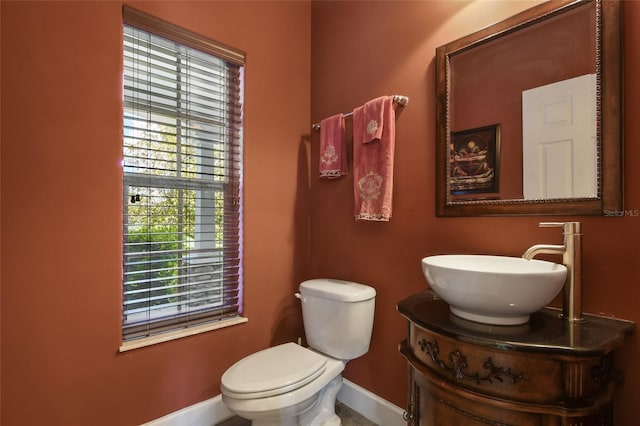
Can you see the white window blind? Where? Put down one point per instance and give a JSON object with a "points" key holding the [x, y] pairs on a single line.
{"points": [[182, 171]]}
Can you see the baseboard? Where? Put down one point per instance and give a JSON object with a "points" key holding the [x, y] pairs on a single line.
{"points": [[213, 411], [206, 413], [378, 410]]}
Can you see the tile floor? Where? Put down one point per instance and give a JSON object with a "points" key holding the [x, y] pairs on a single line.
{"points": [[348, 416]]}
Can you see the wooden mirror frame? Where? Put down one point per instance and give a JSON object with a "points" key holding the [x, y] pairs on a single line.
{"points": [[609, 116]]}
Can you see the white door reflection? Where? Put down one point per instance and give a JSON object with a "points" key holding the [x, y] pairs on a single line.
{"points": [[559, 140]]}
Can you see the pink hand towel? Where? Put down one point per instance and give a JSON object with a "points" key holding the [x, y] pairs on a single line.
{"points": [[333, 149], [374, 128]]}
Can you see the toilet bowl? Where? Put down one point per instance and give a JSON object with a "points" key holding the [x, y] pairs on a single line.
{"points": [[279, 385], [290, 385]]}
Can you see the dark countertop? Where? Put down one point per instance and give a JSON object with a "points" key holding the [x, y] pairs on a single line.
{"points": [[546, 332]]}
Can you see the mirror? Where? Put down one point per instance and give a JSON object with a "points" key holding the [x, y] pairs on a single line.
{"points": [[529, 114]]}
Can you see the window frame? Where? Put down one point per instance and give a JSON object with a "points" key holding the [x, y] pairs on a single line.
{"points": [[160, 333]]}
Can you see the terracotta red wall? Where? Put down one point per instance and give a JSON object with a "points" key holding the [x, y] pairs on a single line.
{"points": [[361, 50], [61, 217]]}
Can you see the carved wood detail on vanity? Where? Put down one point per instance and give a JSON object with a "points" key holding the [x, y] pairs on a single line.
{"points": [[544, 373], [459, 364]]}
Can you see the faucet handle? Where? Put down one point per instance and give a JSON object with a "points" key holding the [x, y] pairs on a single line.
{"points": [[551, 224], [567, 227]]}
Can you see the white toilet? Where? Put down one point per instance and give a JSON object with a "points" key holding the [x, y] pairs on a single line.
{"points": [[290, 385]]}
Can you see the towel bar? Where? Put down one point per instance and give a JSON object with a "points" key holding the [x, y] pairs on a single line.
{"points": [[398, 99]]}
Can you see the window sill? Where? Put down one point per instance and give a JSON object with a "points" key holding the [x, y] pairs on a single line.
{"points": [[178, 334]]}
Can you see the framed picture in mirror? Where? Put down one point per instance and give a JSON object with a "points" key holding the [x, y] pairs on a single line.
{"points": [[473, 159]]}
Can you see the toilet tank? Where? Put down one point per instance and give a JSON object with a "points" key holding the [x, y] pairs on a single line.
{"points": [[338, 316]]}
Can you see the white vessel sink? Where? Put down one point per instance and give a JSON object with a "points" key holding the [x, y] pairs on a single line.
{"points": [[493, 289]]}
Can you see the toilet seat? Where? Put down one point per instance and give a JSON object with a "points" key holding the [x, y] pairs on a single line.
{"points": [[272, 371]]}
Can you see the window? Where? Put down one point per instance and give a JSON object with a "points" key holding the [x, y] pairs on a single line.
{"points": [[182, 172]]}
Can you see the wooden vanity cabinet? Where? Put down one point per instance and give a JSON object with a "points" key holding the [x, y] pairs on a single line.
{"points": [[547, 372]]}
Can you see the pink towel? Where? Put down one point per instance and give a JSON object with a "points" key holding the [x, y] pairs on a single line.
{"points": [[374, 128], [333, 149]]}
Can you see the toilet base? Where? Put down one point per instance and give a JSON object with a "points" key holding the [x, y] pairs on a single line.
{"points": [[321, 413]]}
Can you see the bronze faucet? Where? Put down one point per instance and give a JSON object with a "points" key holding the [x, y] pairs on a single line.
{"points": [[571, 251]]}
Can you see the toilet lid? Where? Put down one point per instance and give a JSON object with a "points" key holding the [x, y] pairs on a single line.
{"points": [[273, 371]]}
